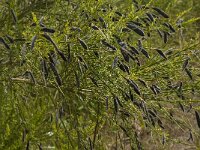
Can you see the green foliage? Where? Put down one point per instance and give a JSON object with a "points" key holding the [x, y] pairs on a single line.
{"points": [[71, 79]]}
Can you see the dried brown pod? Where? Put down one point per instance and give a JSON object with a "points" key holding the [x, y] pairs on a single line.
{"points": [[33, 42], [161, 53], [197, 118], [136, 29], [108, 45], [161, 12], [4, 43], [56, 74], [49, 30], [83, 44]]}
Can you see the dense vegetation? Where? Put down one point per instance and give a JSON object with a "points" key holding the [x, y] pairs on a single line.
{"points": [[99, 74]]}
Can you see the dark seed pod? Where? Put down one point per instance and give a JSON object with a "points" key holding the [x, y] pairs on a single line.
{"points": [[134, 86], [62, 55], [77, 79], [161, 12], [133, 50], [145, 53], [169, 26], [181, 106], [4, 43], [160, 123], [136, 29], [114, 64], [136, 23], [27, 145], [185, 64], [197, 118], [14, 15], [49, 30], [83, 44], [161, 53], [150, 16], [40, 146], [69, 53], [76, 29], [160, 33], [52, 57], [118, 13], [108, 45], [94, 81], [44, 68], [140, 44], [115, 104], [30, 75], [91, 145], [163, 140], [121, 66], [125, 54], [126, 68], [94, 27], [190, 137], [143, 82], [11, 40], [124, 130], [55, 72], [46, 36], [106, 102], [80, 67], [153, 89], [165, 36], [189, 73], [103, 22], [33, 42], [126, 30]]}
